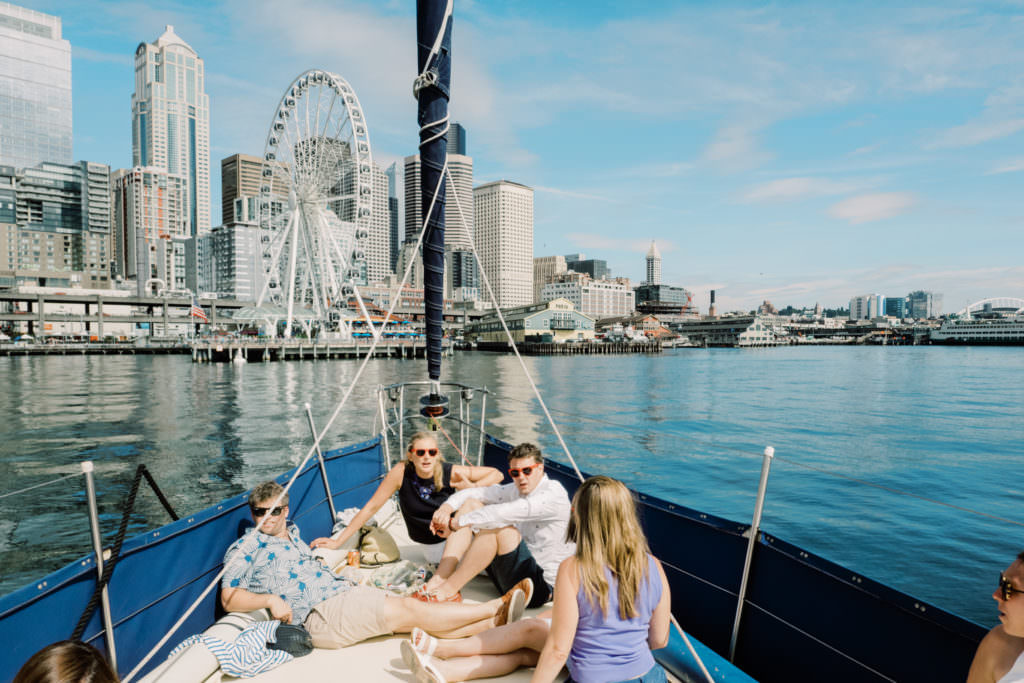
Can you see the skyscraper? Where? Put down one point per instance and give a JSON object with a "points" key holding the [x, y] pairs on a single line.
{"points": [[171, 121], [503, 218], [240, 176], [653, 265], [393, 218], [458, 223], [148, 211], [456, 139], [35, 88]]}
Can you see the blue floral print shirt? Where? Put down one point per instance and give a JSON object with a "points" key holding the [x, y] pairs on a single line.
{"points": [[285, 567]]}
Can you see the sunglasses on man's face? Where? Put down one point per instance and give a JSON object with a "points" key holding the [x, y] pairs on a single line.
{"points": [[420, 452], [262, 512], [1006, 588], [524, 470]]}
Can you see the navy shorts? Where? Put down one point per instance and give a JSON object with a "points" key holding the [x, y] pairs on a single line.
{"points": [[509, 569]]}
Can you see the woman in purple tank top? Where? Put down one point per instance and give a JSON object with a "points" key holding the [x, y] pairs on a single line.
{"points": [[612, 603]]}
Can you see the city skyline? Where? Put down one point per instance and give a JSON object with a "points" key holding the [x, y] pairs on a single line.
{"points": [[873, 149]]}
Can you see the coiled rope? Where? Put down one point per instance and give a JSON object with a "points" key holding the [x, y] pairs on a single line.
{"points": [[115, 554]]}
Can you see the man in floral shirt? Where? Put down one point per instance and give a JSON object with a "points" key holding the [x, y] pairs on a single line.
{"points": [[272, 567]]}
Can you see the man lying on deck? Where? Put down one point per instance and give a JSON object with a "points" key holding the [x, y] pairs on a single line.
{"points": [[274, 568], [520, 530], [1000, 655]]}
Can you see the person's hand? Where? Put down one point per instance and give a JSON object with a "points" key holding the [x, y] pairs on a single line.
{"points": [[280, 610], [442, 516], [330, 543]]}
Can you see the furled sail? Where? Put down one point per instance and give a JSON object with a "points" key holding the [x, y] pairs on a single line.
{"points": [[434, 35]]}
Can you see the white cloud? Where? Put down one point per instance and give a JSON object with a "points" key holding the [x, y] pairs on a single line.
{"points": [[574, 195], [866, 208], [791, 189], [976, 132], [1008, 167], [735, 148], [90, 55], [591, 241]]}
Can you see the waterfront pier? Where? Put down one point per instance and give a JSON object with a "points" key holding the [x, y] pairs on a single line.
{"points": [[239, 351]]}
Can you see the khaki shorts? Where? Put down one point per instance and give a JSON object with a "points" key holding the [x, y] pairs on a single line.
{"points": [[348, 618]]}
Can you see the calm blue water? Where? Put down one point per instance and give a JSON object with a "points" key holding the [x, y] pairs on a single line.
{"points": [[935, 423]]}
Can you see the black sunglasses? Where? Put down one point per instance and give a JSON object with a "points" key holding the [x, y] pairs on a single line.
{"points": [[525, 470], [260, 512], [1007, 589], [420, 452]]}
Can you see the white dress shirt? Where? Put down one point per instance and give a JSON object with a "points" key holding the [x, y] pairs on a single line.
{"points": [[541, 518]]}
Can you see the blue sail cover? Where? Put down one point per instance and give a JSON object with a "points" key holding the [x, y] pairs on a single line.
{"points": [[433, 120]]}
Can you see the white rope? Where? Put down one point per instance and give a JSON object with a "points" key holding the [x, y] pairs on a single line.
{"points": [[547, 413], [690, 647], [298, 470], [436, 48], [511, 341]]}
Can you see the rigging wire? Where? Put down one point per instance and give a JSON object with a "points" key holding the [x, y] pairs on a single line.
{"points": [[316, 444], [540, 399], [512, 342], [36, 486]]}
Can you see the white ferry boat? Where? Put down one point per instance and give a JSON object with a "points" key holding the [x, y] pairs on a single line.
{"points": [[989, 323]]}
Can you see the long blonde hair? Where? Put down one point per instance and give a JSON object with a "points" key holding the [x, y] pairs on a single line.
{"points": [[607, 533], [438, 473]]}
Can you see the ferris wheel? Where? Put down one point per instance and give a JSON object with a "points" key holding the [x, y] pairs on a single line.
{"points": [[315, 200]]}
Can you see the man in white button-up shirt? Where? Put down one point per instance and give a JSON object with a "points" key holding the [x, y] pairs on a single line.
{"points": [[520, 530]]}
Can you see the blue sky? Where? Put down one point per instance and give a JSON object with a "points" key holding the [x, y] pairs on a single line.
{"points": [[794, 152]]}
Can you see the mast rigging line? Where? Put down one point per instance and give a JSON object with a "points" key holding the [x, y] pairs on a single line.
{"points": [[511, 341], [298, 470], [540, 399], [36, 486]]}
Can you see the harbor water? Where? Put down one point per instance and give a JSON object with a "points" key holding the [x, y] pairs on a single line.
{"points": [[904, 464]]}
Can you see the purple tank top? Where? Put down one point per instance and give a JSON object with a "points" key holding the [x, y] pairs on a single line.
{"points": [[607, 648]]}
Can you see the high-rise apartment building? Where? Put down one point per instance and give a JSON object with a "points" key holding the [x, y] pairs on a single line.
{"points": [[149, 210], [240, 176], [35, 89], [653, 265], [458, 208], [545, 270], [171, 122], [503, 222], [55, 224]]}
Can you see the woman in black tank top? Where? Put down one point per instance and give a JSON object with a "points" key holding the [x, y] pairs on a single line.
{"points": [[423, 481]]}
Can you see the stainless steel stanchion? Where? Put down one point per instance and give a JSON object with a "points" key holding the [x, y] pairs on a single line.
{"points": [[97, 544], [323, 467], [755, 527]]}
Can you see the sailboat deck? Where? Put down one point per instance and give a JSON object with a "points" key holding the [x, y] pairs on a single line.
{"points": [[378, 659]]}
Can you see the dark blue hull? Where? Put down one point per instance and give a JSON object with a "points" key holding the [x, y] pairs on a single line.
{"points": [[805, 618]]}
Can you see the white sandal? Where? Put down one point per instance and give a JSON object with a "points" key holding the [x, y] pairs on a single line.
{"points": [[422, 641], [422, 665]]}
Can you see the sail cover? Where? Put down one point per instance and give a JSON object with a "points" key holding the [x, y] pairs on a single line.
{"points": [[434, 36]]}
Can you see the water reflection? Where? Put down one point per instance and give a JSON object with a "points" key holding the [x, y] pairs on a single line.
{"points": [[688, 425]]}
